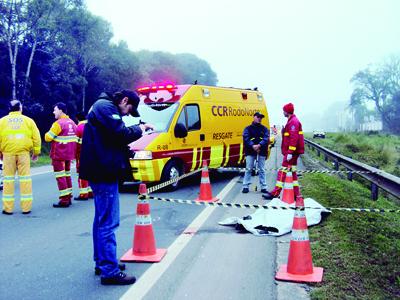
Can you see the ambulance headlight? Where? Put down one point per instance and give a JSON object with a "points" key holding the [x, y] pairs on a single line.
{"points": [[143, 154]]}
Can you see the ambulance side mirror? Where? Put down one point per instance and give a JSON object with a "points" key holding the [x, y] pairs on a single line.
{"points": [[180, 130]]}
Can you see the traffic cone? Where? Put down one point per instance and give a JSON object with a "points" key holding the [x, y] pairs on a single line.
{"points": [[288, 192], [300, 267], [144, 244], [205, 186]]}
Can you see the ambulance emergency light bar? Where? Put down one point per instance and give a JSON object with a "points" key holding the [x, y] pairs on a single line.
{"points": [[156, 87]]}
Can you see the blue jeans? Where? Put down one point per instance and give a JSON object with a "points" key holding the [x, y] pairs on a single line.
{"points": [[106, 221], [261, 171]]}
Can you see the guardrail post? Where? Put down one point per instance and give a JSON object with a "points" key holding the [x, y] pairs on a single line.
{"points": [[374, 191], [326, 158], [318, 153], [350, 175], [336, 165]]}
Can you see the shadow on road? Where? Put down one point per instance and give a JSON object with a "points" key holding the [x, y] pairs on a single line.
{"points": [[188, 182]]}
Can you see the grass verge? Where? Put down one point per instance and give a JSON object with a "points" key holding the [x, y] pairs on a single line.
{"points": [[44, 158], [377, 150], [360, 252]]}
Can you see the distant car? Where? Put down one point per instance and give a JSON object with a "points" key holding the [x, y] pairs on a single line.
{"points": [[319, 134]]}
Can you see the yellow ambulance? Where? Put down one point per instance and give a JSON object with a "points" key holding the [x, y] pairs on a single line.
{"points": [[192, 123]]}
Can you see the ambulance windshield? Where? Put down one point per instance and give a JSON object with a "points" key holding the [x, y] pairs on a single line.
{"points": [[159, 118]]}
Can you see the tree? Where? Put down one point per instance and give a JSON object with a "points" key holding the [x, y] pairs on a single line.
{"points": [[180, 68], [378, 85], [12, 30], [195, 69], [88, 40], [25, 25]]}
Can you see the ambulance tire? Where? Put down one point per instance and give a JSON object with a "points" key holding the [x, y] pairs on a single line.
{"points": [[172, 169]]}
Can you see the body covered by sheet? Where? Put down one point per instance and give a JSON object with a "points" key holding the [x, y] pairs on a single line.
{"points": [[276, 221]]}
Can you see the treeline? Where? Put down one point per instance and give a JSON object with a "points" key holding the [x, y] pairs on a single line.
{"points": [[376, 95], [56, 50]]}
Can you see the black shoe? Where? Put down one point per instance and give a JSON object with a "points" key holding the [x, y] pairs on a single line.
{"points": [[97, 270], [59, 205], [264, 191], [245, 190], [26, 212], [7, 213], [81, 199], [120, 279], [268, 196]]}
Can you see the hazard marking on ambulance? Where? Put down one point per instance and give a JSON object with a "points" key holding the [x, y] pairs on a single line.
{"points": [[161, 100]]}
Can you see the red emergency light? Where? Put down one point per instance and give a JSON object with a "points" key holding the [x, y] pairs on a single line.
{"points": [[156, 87]]}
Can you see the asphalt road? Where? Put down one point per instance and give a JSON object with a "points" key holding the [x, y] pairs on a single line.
{"points": [[48, 254]]}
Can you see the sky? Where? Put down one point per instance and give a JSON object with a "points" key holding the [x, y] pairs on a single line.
{"points": [[299, 51]]}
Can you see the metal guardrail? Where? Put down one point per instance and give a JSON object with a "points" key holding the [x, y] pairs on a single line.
{"points": [[378, 178]]}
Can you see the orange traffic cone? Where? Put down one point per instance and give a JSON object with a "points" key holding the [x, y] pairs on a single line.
{"points": [[300, 267], [205, 186], [288, 192], [144, 245]]}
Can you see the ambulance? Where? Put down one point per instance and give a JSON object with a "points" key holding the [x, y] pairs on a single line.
{"points": [[192, 123]]}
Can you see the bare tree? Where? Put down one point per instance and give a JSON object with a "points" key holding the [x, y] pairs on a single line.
{"points": [[12, 31], [378, 85]]}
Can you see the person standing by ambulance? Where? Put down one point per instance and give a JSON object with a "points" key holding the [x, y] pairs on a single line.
{"points": [[256, 140], [19, 135], [105, 162], [62, 136], [292, 147], [85, 192]]}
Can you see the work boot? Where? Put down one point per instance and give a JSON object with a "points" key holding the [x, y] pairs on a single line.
{"points": [[97, 270], [26, 212], [7, 213], [120, 279], [264, 191], [245, 190], [79, 198], [268, 196]]}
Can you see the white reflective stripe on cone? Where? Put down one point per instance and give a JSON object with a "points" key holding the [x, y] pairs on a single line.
{"points": [[143, 220], [300, 235], [205, 179]]}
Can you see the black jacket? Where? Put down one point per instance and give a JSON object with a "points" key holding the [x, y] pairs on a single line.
{"points": [[104, 154], [256, 134]]}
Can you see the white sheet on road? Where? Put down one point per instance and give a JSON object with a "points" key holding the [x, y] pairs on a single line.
{"points": [[276, 221]]}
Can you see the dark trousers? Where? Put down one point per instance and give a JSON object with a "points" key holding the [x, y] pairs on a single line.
{"points": [[106, 221]]}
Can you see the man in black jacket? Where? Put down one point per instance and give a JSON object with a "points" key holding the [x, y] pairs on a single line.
{"points": [[256, 140], [104, 162]]}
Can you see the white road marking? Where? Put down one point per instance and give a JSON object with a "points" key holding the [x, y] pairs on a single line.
{"points": [[150, 277]]}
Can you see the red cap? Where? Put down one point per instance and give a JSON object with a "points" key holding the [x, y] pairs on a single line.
{"points": [[288, 108]]}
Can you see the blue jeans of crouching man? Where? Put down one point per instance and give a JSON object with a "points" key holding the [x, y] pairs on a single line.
{"points": [[106, 221], [250, 159]]}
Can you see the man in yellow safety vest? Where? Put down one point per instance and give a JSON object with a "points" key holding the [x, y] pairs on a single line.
{"points": [[19, 136]]}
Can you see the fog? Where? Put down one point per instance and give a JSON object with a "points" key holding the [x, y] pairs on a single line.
{"points": [[300, 51]]}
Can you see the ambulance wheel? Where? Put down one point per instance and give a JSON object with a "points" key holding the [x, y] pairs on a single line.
{"points": [[171, 171]]}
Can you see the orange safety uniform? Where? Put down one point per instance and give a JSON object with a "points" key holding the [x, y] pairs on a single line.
{"points": [[85, 191], [292, 143], [62, 136], [18, 136]]}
